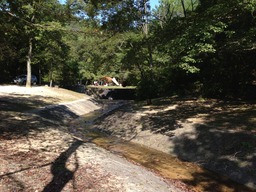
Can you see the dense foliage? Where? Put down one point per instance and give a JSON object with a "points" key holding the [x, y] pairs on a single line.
{"points": [[195, 47]]}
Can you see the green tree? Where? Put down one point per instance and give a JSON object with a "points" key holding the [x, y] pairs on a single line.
{"points": [[30, 19], [207, 48]]}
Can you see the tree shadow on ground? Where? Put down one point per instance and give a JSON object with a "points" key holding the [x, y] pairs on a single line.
{"points": [[62, 175], [229, 154], [20, 115], [218, 135], [20, 103], [117, 122], [59, 113]]}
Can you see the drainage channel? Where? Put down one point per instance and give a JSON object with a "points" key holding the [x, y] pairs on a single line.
{"points": [[169, 167]]}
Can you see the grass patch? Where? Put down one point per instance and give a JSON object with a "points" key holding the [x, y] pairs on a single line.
{"points": [[111, 87]]}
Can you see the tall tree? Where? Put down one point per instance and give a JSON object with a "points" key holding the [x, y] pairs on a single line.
{"points": [[31, 17]]}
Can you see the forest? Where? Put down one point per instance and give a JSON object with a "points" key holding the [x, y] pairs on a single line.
{"points": [[181, 47]]}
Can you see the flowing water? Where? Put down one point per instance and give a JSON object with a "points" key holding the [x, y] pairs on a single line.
{"points": [[166, 165]]}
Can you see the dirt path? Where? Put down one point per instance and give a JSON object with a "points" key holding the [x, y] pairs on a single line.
{"points": [[40, 152]]}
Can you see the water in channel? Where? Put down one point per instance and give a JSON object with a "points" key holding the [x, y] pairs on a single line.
{"points": [[169, 167]]}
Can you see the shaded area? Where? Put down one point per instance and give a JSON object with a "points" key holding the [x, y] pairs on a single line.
{"points": [[19, 127], [218, 135], [19, 115], [231, 154], [62, 175], [14, 121], [58, 113], [39, 153], [208, 124], [19, 103], [112, 93], [184, 175]]}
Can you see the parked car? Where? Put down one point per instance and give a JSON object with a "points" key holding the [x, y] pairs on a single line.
{"points": [[22, 79]]}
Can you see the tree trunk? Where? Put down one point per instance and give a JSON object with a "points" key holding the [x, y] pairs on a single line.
{"points": [[192, 5], [50, 76], [184, 8], [29, 57], [39, 75], [149, 100], [146, 32], [28, 82]]}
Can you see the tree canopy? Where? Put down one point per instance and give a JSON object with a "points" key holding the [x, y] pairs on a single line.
{"points": [[196, 47]]}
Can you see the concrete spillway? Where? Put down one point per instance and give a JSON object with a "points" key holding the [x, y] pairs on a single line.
{"points": [[64, 112]]}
